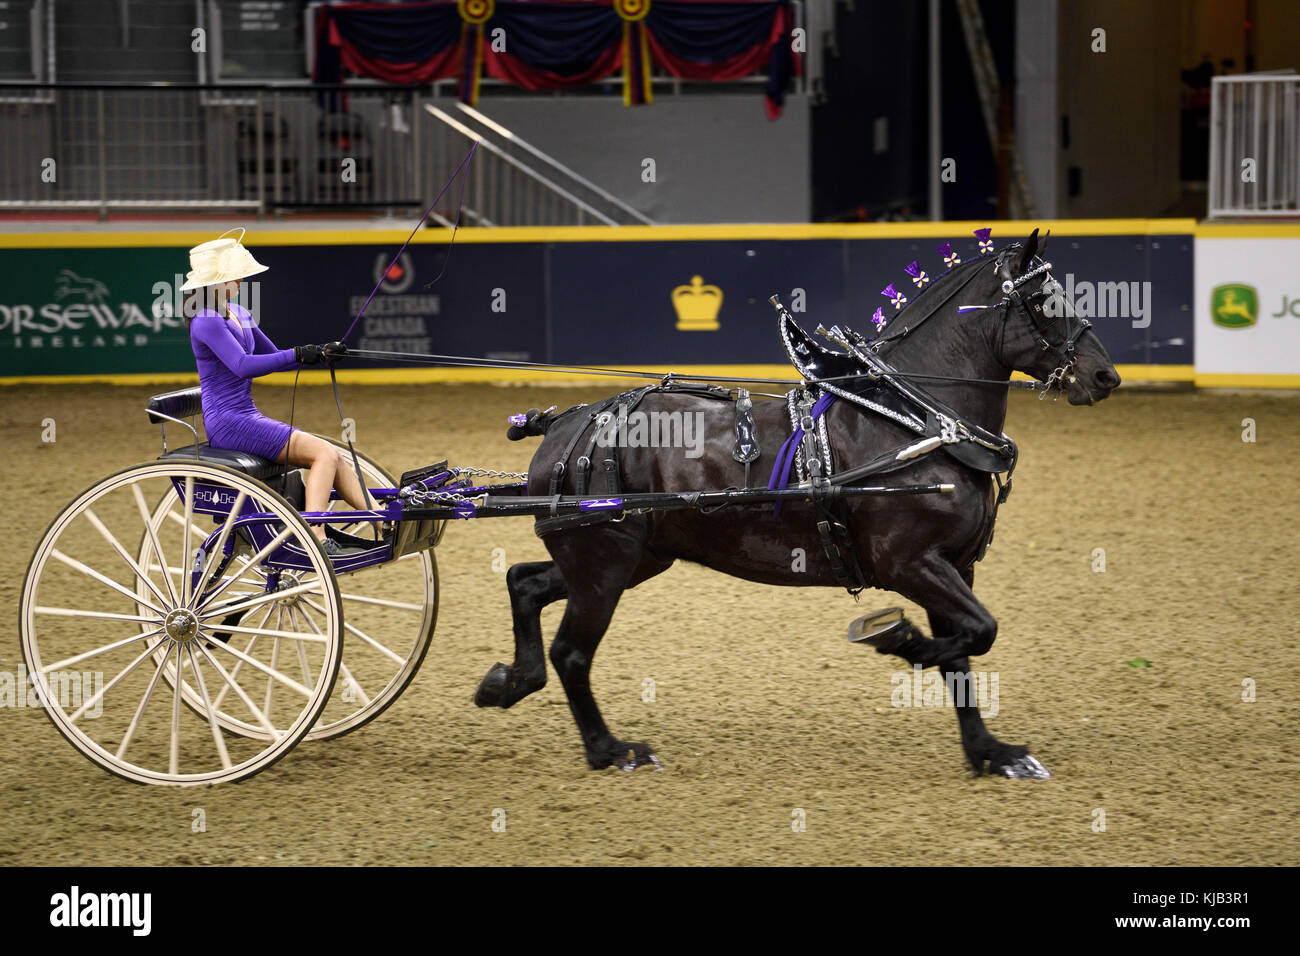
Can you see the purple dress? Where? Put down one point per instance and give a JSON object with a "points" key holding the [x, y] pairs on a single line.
{"points": [[228, 361]]}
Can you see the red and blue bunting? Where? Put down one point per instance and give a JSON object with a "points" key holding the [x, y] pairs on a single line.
{"points": [[558, 44]]}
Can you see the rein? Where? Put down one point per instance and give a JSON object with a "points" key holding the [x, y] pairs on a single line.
{"points": [[463, 361]]}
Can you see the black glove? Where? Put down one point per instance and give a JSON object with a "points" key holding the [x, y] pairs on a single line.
{"points": [[308, 354], [333, 351]]}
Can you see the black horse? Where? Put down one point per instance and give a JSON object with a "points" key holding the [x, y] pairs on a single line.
{"points": [[923, 547]]}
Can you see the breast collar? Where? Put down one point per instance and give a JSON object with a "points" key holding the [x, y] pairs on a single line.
{"points": [[878, 388]]}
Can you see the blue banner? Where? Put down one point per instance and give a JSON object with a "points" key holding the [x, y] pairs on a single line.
{"points": [[660, 303]]}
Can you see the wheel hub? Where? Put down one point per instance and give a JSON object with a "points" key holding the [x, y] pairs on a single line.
{"points": [[181, 625], [288, 580]]}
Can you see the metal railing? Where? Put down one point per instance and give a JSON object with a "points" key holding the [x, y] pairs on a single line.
{"points": [[193, 146], [516, 184], [1255, 145]]}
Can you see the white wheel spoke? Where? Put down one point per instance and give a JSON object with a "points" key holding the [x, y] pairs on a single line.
{"points": [[97, 615], [135, 720], [256, 559], [187, 555], [130, 561], [224, 609], [222, 752], [174, 750], [265, 632], [382, 601], [105, 580], [268, 670], [95, 698], [220, 543], [153, 539], [248, 649], [351, 629], [302, 648], [239, 692], [86, 655], [181, 521], [275, 654], [257, 582]]}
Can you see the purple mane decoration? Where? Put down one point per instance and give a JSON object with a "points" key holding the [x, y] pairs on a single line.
{"points": [[986, 244], [950, 258], [894, 296], [918, 274], [879, 319]]}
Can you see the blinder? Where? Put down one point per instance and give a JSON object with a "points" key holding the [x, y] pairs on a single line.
{"points": [[1033, 307]]}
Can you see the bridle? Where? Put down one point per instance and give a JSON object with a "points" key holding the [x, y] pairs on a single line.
{"points": [[1033, 307]]}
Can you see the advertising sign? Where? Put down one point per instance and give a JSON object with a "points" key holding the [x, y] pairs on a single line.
{"points": [[671, 303], [1247, 307]]}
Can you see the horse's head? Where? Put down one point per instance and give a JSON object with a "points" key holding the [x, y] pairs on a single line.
{"points": [[1041, 335]]}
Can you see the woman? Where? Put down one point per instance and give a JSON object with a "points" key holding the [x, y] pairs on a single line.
{"points": [[230, 351]]}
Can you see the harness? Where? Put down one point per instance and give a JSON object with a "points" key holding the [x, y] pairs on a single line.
{"points": [[603, 425], [862, 377]]}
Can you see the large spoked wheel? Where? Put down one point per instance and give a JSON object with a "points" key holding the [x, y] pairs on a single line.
{"points": [[389, 610], [115, 644]]}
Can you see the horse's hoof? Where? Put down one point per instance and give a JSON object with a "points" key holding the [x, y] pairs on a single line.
{"points": [[1024, 767], [625, 756], [492, 689]]}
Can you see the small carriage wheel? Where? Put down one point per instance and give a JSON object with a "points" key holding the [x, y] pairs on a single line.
{"points": [[390, 612], [99, 628]]}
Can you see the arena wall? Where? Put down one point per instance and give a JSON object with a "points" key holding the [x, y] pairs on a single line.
{"points": [[102, 305]]}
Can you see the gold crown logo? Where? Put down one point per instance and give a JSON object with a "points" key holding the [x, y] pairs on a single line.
{"points": [[697, 306]]}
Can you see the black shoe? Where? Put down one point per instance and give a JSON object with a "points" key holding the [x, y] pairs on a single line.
{"points": [[336, 550]]}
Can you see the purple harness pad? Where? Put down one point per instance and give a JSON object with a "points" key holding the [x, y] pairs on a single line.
{"points": [[780, 479]]}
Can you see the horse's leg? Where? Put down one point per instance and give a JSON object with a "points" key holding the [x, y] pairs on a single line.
{"points": [[981, 747], [602, 574], [961, 626], [532, 585]]}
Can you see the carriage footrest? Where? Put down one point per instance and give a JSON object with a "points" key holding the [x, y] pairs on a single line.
{"points": [[421, 474], [365, 543]]}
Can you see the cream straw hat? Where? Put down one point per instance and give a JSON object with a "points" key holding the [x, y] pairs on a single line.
{"points": [[221, 260]]}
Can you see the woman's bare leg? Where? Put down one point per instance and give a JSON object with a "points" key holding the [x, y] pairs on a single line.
{"points": [[326, 470], [345, 483]]}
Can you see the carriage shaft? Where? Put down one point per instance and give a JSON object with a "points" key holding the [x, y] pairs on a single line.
{"points": [[491, 506]]}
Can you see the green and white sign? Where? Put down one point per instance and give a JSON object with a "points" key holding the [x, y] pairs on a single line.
{"points": [[83, 311]]}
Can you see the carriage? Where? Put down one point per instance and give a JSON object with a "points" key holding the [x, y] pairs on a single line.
{"points": [[224, 648]]}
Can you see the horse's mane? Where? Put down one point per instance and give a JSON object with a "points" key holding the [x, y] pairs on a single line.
{"points": [[942, 280]]}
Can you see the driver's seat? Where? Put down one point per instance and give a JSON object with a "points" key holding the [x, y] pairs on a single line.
{"points": [[188, 403]]}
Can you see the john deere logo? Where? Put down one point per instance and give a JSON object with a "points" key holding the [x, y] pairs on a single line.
{"points": [[1234, 306], [697, 306]]}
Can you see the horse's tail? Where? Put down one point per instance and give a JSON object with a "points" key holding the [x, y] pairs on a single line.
{"points": [[530, 424]]}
